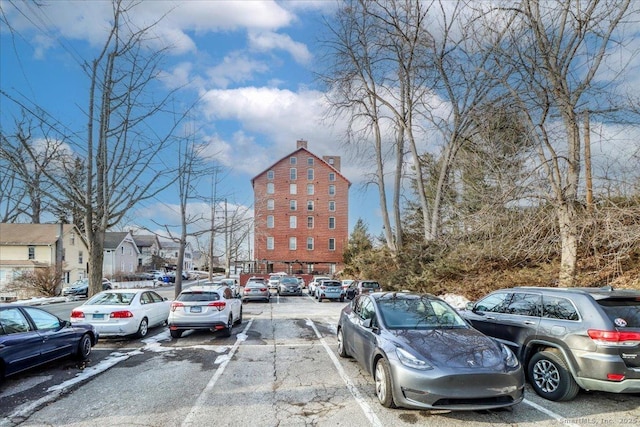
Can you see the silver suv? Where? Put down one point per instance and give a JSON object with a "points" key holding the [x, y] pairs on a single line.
{"points": [[205, 307], [567, 338]]}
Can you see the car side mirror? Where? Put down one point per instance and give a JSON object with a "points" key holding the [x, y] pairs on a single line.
{"points": [[470, 306], [165, 299], [367, 323]]}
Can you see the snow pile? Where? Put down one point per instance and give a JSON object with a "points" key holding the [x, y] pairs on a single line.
{"points": [[456, 301]]}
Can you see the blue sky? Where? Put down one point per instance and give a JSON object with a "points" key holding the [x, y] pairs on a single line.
{"points": [[251, 62]]}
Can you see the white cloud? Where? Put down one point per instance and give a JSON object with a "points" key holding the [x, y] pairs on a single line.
{"points": [[235, 68], [267, 41]]}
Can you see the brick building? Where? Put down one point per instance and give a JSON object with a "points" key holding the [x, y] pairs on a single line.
{"points": [[301, 214]]}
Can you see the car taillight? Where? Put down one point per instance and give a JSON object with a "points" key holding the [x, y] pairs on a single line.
{"points": [[323, 287], [263, 289], [176, 305], [615, 377], [76, 314], [620, 338], [220, 305], [124, 314]]}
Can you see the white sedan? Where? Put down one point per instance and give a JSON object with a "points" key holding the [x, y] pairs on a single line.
{"points": [[122, 312]]}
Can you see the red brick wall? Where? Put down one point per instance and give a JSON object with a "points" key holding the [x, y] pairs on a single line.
{"points": [[320, 256]]}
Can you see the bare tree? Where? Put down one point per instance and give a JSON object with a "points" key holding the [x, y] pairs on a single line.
{"points": [[553, 53], [124, 137]]}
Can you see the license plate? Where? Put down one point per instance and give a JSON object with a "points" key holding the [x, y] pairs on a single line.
{"points": [[98, 316], [197, 309]]}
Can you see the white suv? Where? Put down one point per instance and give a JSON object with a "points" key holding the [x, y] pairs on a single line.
{"points": [[205, 307]]}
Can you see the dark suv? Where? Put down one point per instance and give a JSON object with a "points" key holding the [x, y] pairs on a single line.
{"points": [[567, 338]]}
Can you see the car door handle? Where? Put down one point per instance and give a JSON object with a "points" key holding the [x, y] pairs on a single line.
{"points": [[491, 318], [529, 322]]}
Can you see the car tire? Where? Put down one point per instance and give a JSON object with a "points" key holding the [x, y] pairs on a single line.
{"points": [[550, 376], [239, 320], [342, 351], [143, 328], [226, 332], [319, 298], [384, 384], [175, 334], [342, 298], [84, 347]]}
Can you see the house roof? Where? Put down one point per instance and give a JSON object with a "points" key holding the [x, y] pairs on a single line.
{"points": [[144, 240], [112, 239], [297, 151], [32, 234]]}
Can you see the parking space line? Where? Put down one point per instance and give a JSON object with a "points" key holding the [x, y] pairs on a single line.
{"points": [[550, 413], [190, 419], [368, 410]]}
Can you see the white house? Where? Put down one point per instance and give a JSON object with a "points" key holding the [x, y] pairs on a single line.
{"points": [[120, 254]]}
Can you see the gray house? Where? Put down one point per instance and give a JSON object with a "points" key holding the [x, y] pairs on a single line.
{"points": [[120, 254]]}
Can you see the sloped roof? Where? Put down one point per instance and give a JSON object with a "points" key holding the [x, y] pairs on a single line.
{"points": [[144, 240], [112, 239], [295, 152], [32, 234]]}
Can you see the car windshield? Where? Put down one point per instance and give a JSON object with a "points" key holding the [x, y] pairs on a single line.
{"points": [[196, 296], [371, 285], [289, 280], [622, 312], [418, 313], [119, 298]]}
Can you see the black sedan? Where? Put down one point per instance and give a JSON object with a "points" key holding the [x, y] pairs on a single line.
{"points": [[30, 337], [423, 355]]}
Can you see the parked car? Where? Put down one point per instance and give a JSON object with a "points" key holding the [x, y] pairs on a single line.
{"points": [[274, 280], [362, 287], [346, 283], [567, 338], [233, 284], [329, 289], [423, 355], [80, 288], [205, 307], [123, 312], [302, 283], [289, 286], [314, 283], [30, 336], [256, 290]]}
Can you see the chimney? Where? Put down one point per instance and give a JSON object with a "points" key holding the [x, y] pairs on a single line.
{"points": [[301, 143]]}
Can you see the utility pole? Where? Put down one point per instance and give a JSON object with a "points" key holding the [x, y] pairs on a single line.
{"points": [[213, 218], [226, 242]]}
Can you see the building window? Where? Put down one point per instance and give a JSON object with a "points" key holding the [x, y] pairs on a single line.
{"points": [[309, 222], [310, 174], [271, 174], [293, 173], [310, 243], [332, 176], [293, 160], [64, 254], [32, 252], [332, 244], [293, 205], [270, 243], [270, 221], [310, 189], [309, 161], [271, 204], [332, 190], [293, 221], [122, 251], [332, 206], [293, 189], [80, 255], [330, 161], [332, 223], [310, 205], [72, 239], [293, 243], [270, 188]]}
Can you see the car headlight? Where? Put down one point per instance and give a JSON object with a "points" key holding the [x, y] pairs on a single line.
{"points": [[509, 358], [410, 361]]}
